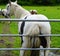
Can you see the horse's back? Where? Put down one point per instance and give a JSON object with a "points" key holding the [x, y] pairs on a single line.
{"points": [[45, 26], [37, 17]]}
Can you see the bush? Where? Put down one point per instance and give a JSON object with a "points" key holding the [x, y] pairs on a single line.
{"points": [[33, 2]]}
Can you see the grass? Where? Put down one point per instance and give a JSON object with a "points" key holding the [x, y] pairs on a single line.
{"points": [[52, 12], [49, 11]]}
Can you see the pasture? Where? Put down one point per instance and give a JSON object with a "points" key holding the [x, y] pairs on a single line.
{"points": [[52, 12]]}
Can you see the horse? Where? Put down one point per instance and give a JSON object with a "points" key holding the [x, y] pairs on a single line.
{"points": [[3, 12], [32, 29]]}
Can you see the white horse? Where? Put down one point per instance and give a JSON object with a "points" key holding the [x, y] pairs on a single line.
{"points": [[32, 29], [3, 12]]}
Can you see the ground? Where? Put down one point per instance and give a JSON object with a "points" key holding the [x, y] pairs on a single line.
{"points": [[7, 42]]}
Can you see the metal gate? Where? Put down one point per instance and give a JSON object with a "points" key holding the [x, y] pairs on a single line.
{"points": [[14, 35]]}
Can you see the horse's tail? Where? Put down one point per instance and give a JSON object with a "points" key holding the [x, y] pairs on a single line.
{"points": [[35, 42]]}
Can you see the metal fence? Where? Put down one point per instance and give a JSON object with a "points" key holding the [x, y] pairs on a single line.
{"points": [[15, 35]]}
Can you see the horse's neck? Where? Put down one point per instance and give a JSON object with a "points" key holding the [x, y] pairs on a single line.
{"points": [[21, 12]]}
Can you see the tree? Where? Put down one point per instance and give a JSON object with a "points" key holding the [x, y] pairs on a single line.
{"points": [[45, 2]]}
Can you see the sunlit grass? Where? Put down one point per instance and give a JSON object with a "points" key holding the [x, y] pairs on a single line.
{"points": [[50, 11]]}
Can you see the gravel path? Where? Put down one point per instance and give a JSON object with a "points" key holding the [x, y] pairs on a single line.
{"points": [[50, 54]]}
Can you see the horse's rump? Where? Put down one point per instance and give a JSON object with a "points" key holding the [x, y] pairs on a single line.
{"points": [[35, 41]]}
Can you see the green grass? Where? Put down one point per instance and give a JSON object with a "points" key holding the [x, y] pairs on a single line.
{"points": [[2, 6], [49, 11], [52, 12]]}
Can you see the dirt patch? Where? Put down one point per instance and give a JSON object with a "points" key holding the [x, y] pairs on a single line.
{"points": [[6, 30]]}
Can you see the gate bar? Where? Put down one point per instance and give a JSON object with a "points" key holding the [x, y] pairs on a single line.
{"points": [[3, 49], [18, 35], [49, 20]]}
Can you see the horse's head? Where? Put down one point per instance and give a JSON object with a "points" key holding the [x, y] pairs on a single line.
{"points": [[5, 13], [11, 7], [14, 9]]}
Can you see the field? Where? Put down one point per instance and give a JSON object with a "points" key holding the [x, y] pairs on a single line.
{"points": [[52, 12]]}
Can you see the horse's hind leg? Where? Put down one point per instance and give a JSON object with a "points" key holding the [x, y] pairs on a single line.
{"points": [[46, 52], [24, 45]]}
